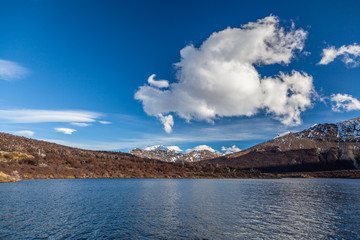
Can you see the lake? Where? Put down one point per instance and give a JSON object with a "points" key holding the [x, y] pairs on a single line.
{"points": [[180, 209]]}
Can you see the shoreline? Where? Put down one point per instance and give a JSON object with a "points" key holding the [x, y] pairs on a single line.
{"points": [[337, 174], [14, 181]]}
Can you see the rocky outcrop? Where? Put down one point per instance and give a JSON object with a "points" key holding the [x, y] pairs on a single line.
{"points": [[8, 178]]}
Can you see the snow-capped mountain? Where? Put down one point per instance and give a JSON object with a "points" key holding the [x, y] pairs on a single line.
{"points": [[320, 136], [335, 142], [158, 147], [171, 154]]}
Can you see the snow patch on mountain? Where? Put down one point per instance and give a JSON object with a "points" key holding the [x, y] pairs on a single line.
{"points": [[173, 153], [163, 148]]}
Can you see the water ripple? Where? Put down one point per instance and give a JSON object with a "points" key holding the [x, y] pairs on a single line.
{"points": [[180, 209]]}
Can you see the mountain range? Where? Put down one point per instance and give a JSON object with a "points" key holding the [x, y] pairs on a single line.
{"points": [[168, 154], [323, 150]]}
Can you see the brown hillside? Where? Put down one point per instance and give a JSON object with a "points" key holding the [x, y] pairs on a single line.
{"points": [[322, 147], [24, 158], [272, 160]]}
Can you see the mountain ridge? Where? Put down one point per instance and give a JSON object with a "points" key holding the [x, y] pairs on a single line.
{"points": [[327, 146], [26, 158]]}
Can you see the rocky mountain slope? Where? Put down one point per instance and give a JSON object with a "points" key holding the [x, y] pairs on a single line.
{"points": [[25, 158], [166, 154], [321, 147]]}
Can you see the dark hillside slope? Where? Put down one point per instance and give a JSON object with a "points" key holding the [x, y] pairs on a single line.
{"points": [[24, 158], [323, 147]]}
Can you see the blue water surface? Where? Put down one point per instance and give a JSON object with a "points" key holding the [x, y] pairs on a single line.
{"points": [[180, 209]]}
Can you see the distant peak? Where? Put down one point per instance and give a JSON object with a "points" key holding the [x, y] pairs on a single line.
{"points": [[163, 148], [156, 147]]}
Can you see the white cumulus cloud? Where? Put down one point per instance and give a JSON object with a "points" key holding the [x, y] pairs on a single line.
{"points": [[68, 131], [11, 70], [25, 133], [219, 79], [200, 147], [167, 121], [349, 55], [158, 83], [344, 102], [229, 150]]}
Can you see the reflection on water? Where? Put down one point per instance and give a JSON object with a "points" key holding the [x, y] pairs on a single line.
{"points": [[180, 209]]}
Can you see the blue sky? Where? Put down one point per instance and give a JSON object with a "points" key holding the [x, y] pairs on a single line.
{"points": [[76, 72]]}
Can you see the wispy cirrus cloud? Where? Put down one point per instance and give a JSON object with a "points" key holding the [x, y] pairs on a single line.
{"points": [[11, 70], [41, 116], [105, 122], [80, 124], [25, 133], [68, 131], [255, 129], [127, 144], [220, 79], [350, 55]]}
